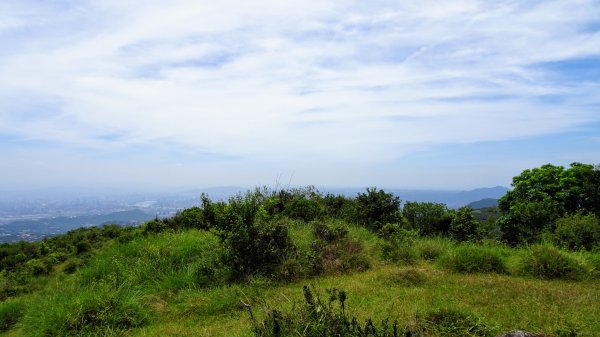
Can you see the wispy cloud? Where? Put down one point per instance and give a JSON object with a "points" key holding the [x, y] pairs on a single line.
{"points": [[296, 79]]}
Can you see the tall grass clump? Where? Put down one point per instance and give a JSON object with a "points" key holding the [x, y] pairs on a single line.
{"points": [[89, 311], [472, 258], [11, 312], [431, 248], [548, 262], [447, 322], [166, 262], [410, 277]]}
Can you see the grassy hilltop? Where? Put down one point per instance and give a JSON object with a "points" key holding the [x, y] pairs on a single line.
{"points": [[299, 263]]}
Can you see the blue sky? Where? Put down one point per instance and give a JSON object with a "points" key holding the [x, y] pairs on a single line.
{"points": [[171, 94]]}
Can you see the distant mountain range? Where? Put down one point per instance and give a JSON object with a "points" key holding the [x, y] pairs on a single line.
{"points": [[484, 203], [452, 199]]}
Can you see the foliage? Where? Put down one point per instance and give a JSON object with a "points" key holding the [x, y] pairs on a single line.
{"points": [[542, 195], [333, 251], [578, 231], [427, 217], [547, 262], [376, 208], [464, 226], [399, 244], [254, 243]]}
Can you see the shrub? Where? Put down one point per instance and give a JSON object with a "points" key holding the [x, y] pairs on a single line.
{"points": [[474, 259], [547, 262], [330, 231], [464, 226], [303, 208], [375, 208], [257, 248], [427, 217], [399, 246], [71, 265], [334, 252], [10, 314], [39, 267], [578, 231]]}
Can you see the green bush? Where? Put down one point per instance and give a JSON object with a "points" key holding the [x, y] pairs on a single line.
{"points": [[474, 259], [330, 231], [547, 262], [375, 208], [71, 265], [399, 246], [10, 314], [428, 218], [258, 248], [333, 251], [464, 226], [578, 231]]}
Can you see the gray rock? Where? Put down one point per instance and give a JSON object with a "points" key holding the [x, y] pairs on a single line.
{"points": [[519, 333]]}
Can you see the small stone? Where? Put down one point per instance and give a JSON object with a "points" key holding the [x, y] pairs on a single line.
{"points": [[519, 333]]}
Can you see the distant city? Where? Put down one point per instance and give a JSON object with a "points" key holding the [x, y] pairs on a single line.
{"points": [[31, 216]]}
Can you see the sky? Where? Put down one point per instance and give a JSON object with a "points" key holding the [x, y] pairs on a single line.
{"points": [[405, 94]]}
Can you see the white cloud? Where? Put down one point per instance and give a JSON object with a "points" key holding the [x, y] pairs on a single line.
{"points": [[292, 79]]}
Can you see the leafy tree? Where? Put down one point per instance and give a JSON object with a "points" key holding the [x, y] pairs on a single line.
{"points": [[375, 208], [464, 226], [427, 217], [542, 195]]}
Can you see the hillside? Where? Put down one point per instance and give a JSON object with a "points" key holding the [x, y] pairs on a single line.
{"points": [[238, 268]]}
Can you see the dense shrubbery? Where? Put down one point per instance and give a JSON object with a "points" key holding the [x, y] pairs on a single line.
{"points": [[578, 231]]}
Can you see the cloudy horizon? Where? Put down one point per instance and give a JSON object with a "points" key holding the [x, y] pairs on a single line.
{"points": [[448, 95]]}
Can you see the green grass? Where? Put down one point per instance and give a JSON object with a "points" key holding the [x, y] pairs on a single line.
{"points": [[173, 284]]}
